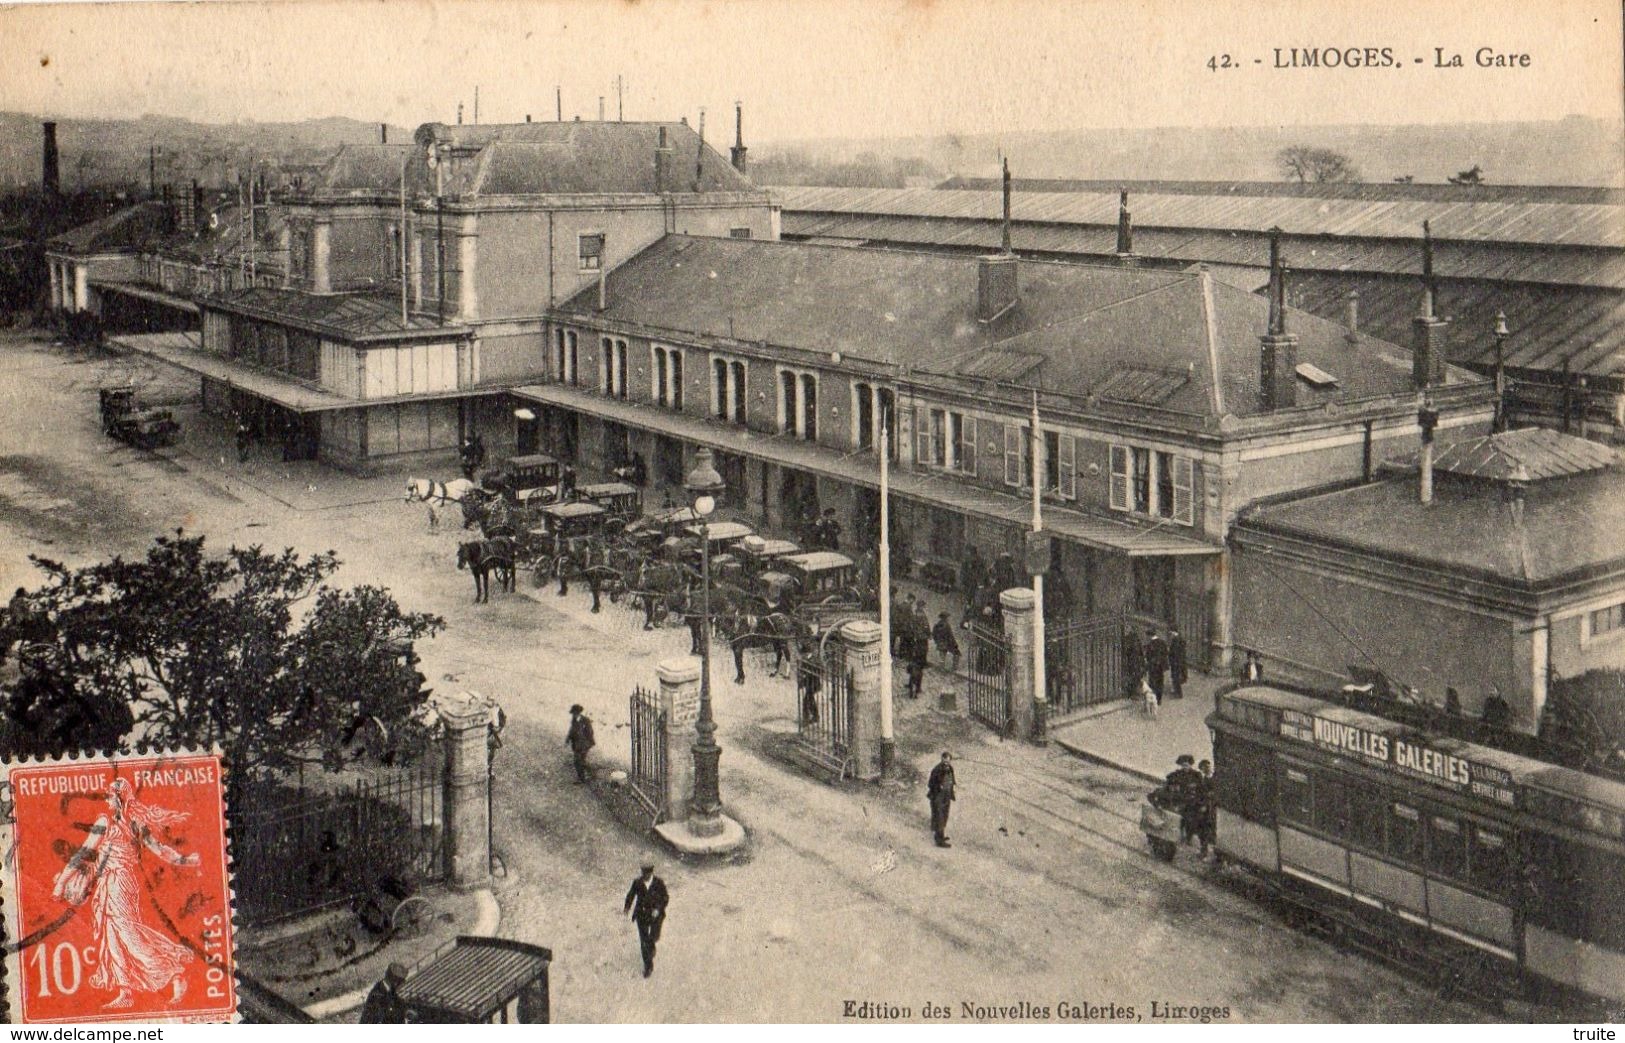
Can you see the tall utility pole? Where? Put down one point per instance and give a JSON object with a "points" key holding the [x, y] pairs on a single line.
{"points": [[403, 239], [620, 100], [888, 744], [558, 102], [253, 268], [440, 234], [1040, 682]]}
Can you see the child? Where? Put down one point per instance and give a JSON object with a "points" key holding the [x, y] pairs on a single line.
{"points": [[947, 644]]}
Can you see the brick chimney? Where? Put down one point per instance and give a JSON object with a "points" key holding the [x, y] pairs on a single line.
{"points": [[998, 283], [1125, 229], [1277, 349], [737, 153], [1428, 329], [1351, 316], [1427, 418], [50, 174]]}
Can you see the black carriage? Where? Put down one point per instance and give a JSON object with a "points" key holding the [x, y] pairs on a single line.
{"points": [[757, 555], [723, 538], [144, 428], [823, 585], [525, 479], [480, 981], [619, 499]]}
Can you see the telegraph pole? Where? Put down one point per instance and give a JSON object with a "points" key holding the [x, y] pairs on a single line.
{"points": [[888, 744], [1040, 682]]}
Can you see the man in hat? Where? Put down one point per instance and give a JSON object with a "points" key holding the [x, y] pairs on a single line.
{"points": [[830, 530], [1156, 661], [1185, 787], [947, 643], [580, 740], [646, 901], [384, 1005], [1178, 670], [940, 792]]}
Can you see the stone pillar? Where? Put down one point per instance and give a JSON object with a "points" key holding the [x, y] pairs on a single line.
{"points": [[81, 288], [56, 286], [1221, 600], [284, 242], [862, 640], [680, 699], [321, 241], [1017, 603], [466, 718], [468, 244]]}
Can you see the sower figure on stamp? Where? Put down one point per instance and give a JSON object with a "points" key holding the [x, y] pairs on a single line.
{"points": [[646, 901], [580, 740], [106, 870], [940, 792]]}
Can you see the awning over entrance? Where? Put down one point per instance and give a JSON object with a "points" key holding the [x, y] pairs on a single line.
{"points": [[1112, 534], [183, 351], [146, 293]]}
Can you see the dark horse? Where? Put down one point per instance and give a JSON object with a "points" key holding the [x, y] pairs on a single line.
{"points": [[773, 630], [661, 586], [483, 557]]}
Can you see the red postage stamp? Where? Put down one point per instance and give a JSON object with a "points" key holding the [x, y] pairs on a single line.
{"points": [[117, 890]]}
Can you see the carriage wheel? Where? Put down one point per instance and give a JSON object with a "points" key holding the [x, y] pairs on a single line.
{"points": [[411, 917]]}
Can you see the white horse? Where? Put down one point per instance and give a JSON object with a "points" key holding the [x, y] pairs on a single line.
{"points": [[437, 494]]}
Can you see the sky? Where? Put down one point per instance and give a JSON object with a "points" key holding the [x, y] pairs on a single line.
{"points": [[815, 68]]}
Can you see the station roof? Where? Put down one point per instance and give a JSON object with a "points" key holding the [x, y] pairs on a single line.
{"points": [[1073, 330], [1377, 191], [353, 317], [125, 229], [1531, 454]]}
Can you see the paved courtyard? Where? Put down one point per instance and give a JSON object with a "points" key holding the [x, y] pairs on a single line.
{"points": [[1048, 895]]}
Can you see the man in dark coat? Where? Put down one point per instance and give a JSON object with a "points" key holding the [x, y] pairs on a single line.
{"points": [[1156, 662], [972, 578], [1133, 663], [646, 901], [580, 740], [830, 535], [384, 1006], [1185, 787], [1004, 573], [940, 792], [947, 643], [1178, 673]]}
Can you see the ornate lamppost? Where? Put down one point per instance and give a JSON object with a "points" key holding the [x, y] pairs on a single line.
{"points": [[705, 486]]}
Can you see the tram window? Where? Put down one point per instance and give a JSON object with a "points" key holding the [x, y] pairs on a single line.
{"points": [[1405, 832], [1244, 775], [1366, 807], [1492, 863], [1297, 796], [1331, 805], [1447, 847]]}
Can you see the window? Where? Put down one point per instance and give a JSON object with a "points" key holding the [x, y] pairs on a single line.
{"points": [[1405, 833], [809, 407], [737, 369], [739, 233], [1244, 777], [612, 367], [1447, 847], [727, 389], [565, 356], [590, 248], [1331, 805], [948, 440], [668, 376], [1297, 796], [1493, 864], [1151, 482], [1018, 456], [863, 415], [1060, 465], [1605, 622], [798, 404], [395, 256], [1366, 808], [787, 402]]}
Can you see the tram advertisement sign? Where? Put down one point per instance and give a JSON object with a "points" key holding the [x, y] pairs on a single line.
{"points": [[1403, 756]]}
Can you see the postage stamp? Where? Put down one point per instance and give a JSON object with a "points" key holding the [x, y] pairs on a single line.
{"points": [[117, 890]]}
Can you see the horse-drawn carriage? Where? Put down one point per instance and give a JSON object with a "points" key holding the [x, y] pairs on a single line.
{"points": [[143, 428], [524, 479], [619, 499]]}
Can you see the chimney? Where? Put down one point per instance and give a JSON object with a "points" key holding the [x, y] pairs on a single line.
{"points": [[197, 206], [527, 117], [736, 155], [459, 114], [603, 277], [1501, 334], [1427, 418], [600, 108], [1427, 329], [1351, 316], [50, 174], [1125, 228], [662, 164], [997, 286], [1277, 349], [383, 133], [1006, 226], [558, 103], [699, 154]]}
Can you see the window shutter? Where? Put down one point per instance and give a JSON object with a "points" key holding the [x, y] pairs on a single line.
{"points": [[922, 438], [1183, 512], [1069, 467], [967, 446], [1012, 454], [1119, 486]]}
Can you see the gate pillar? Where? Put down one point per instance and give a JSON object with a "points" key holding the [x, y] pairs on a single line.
{"points": [[680, 701], [1017, 603], [862, 640], [467, 720]]}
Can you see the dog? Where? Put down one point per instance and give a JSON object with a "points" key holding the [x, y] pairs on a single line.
{"points": [[1150, 698]]}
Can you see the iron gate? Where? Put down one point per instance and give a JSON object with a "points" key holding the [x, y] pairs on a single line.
{"points": [[649, 754], [988, 695], [1083, 662], [824, 705]]}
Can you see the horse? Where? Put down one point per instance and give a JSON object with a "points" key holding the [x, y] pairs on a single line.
{"points": [[774, 630], [483, 557], [659, 584], [438, 494]]}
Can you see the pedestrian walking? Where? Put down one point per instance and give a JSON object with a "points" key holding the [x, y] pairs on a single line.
{"points": [[567, 484], [1178, 671], [646, 900], [947, 643], [1156, 662], [831, 534], [384, 1005], [245, 439], [1133, 663], [580, 740], [1185, 786], [1207, 824], [940, 792], [972, 578]]}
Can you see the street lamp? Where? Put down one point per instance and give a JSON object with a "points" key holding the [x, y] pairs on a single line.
{"points": [[705, 486]]}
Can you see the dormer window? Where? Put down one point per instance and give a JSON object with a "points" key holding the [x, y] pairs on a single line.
{"points": [[590, 249]]}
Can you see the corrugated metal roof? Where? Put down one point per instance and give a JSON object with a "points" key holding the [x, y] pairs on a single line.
{"points": [[473, 980], [1000, 365], [350, 316], [1368, 190], [1146, 384], [1530, 454], [1575, 224]]}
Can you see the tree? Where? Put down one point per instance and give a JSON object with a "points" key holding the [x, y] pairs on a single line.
{"points": [[1319, 165], [180, 648], [1474, 176], [1585, 716]]}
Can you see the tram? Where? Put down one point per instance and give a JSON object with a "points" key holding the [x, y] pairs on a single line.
{"points": [[1463, 855]]}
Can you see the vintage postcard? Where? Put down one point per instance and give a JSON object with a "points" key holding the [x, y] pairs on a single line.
{"points": [[117, 891], [1100, 512]]}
